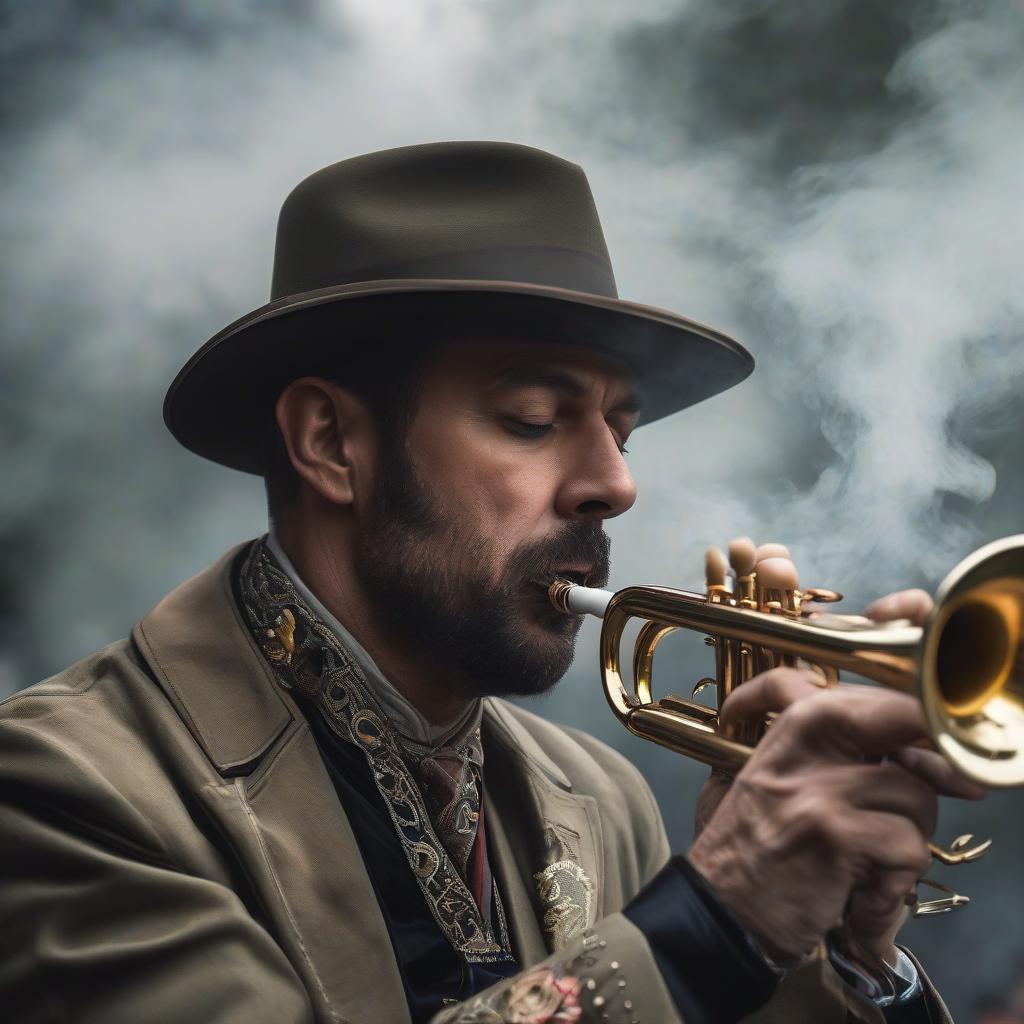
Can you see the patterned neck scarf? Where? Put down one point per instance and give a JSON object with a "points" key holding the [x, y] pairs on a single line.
{"points": [[432, 795], [450, 778]]}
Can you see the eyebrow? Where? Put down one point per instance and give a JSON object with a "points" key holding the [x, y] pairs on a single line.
{"points": [[559, 380]]}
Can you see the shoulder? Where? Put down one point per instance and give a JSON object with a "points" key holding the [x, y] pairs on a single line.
{"points": [[71, 703], [97, 747]]}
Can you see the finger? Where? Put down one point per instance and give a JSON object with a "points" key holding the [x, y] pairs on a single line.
{"points": [[937, 772], [711, 794], [882, 841], [858, 721], [853, 788], [889, 788], [767, 693], [878, 906], [915, 605]]}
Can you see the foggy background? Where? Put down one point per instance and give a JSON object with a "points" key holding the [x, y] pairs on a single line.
{"points": [[837, 184]]}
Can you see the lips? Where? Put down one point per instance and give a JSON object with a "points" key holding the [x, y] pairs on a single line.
{"points": [[579, 576]]}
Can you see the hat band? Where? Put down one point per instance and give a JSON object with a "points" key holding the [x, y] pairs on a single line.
{"points": [[543, 265]]}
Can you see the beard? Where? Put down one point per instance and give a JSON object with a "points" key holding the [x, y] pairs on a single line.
{"points": [[438, 587]]}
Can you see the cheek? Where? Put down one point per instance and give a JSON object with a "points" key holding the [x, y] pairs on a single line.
{"points": [[505, 490]]}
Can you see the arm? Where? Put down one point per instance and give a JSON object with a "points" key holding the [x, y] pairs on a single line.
{"points": [[97, 924]]}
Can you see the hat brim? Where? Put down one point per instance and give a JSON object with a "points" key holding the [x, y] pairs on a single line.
{"points": [[219, 405]]}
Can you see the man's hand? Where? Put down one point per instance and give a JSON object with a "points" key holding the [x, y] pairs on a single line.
{"points": [[829, 820]]}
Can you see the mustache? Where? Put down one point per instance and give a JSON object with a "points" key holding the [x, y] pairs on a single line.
{"points": [[579, 543]]}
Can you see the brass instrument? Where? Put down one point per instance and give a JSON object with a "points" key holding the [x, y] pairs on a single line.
{"points": [[966, 665]]}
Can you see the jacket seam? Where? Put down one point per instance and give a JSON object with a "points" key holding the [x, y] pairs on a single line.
{"points": [[257, 780], [40, 689], [264, 853]]}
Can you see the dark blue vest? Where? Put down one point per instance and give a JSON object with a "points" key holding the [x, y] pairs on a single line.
{"points": [[431, 969]]}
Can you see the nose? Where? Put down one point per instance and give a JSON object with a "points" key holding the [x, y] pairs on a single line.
{"points": [[598, 484]]}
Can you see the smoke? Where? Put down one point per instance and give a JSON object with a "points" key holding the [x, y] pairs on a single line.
{"points": [[836, 183], [853, 213]]}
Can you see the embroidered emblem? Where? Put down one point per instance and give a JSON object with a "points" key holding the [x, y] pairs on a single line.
{"points": [[306, 656], [537, 996], [565, 894], [279, 644], [587, 978]]}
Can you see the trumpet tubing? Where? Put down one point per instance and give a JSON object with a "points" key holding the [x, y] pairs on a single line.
{"points": [[966, 664]]}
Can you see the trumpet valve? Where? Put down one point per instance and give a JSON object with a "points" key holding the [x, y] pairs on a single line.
{"points": [[742, 558], [777, 586], [715, 571]]}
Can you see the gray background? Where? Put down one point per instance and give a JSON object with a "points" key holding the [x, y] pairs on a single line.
{"points": [[836, 183]]}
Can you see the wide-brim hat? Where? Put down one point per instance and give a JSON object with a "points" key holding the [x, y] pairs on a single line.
{"points": [[453, 239]]}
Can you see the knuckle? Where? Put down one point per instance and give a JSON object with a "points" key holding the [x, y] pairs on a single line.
{"points": [[813, 816], [911, 850], [921, 800], [811, 713]]}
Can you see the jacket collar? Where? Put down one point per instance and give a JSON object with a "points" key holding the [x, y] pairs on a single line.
{"points": [[204, 658]]}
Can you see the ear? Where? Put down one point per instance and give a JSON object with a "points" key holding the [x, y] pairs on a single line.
{"points": [[328, 433]]}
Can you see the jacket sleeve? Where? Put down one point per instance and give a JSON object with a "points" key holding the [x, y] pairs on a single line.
{"points": [[684, 958], [97, 926], [938, 1013], [608, 975]]}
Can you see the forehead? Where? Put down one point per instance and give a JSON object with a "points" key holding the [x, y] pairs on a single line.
{"points": [[495, 363]]}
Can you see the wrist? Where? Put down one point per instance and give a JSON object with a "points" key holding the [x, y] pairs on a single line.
{"points": [[732, 889]]}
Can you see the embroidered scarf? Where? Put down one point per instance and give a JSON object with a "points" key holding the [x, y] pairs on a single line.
{"points": [[307, 656]]}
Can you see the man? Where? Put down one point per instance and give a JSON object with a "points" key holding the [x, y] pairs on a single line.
{"points": [[294, 795]]}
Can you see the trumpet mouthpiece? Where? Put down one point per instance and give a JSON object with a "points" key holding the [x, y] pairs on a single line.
{"points": [[558, 594], [572, 599], [714, 567], [742, 556]]}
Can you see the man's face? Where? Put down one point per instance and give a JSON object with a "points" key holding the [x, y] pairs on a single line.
{"points": [[511, 463]]}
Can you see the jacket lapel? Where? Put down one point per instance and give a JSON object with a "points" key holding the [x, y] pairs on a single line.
{"points": [[542, 833], [273, 802]]}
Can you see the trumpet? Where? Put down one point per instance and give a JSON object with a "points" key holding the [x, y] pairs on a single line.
{"points": [[965, 665]]}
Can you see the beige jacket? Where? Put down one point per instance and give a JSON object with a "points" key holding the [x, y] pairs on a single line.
{"points": [[172, 850]]}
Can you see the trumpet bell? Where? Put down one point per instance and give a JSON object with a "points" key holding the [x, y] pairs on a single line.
{"points": [[971, 671]]}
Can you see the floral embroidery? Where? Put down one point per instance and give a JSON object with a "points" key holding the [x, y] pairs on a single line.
{"points": [[537, 996], [540, 996], [566, 893], [586, 985]]}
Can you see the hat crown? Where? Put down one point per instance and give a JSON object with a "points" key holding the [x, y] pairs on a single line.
{"points": [[451, 210]]}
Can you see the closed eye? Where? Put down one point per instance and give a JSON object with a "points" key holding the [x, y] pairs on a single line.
{"points": [[521, 428]]}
